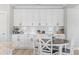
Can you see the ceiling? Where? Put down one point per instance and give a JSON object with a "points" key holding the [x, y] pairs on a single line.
{"points": [[59, 6]]}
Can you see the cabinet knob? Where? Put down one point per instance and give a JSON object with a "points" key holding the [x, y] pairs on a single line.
{"points": [[31, 39], [46, 24], [18, 39], [32, 23], [39, 23], [3, 33]]}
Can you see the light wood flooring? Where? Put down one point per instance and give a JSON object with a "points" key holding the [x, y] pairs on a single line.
{"points": [[23, 52], [30, 52]]}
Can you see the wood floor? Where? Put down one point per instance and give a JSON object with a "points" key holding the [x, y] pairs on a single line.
{"points": [[23, 52], [76, 52], [30, 52]]}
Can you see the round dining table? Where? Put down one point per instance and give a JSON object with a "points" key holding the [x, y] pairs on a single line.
{"points": [[58, 42]]}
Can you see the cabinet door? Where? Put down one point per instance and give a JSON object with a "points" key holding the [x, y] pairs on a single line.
{"points": [[60, 17], [48, 17], [18, 17], [3, 26], [43, 17], [3, 22], [51, 17], [27, 17], [54, 16], [23, 17], [22, 41], [35, 18], [19, 41], [28, 41]]}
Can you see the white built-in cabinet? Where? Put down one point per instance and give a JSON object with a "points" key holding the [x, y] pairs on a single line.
{"points": [[25, 17], [35, 17]]}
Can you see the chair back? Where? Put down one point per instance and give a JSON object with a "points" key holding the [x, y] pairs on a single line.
{"points": [[45, 44]]}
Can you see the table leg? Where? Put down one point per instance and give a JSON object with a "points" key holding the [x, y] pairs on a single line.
{"points": [[60, 50]]}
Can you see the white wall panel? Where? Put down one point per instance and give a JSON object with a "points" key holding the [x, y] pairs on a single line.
{"points": [[73, 25]]}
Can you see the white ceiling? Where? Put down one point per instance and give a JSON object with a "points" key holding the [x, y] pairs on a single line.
{"points": [[58, 6]]}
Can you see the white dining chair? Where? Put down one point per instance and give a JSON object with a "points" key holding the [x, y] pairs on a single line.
{"points": [[46, 45], [35, 45]]}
